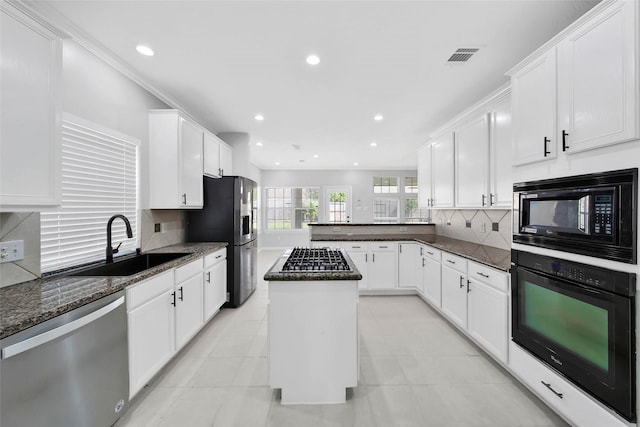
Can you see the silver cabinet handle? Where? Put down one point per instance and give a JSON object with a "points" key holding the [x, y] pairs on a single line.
{"points": [[373, 257], [208, 277], [181, 289], [51, 335], [483, 275], [421, 251], [366, 257], [451, 262], [430, 253], [383, 247], [184, 198], [483, 199], [218, 256], [491, 203], [461, 284], [399, 246], [468, 286], [356, 247], [423, 262]]}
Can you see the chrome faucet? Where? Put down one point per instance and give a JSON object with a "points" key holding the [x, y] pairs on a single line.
{"points": [[110, 250]]}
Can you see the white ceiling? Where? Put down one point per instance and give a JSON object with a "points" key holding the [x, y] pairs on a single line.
{"points": [[226, 61]]}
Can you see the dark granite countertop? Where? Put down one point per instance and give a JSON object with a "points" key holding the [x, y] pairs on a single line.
{"points": [[26, 304], [274, 273], [350, 224], [488, 255]]}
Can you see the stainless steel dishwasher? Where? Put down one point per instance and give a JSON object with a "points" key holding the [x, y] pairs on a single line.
{"points": [[71, 370]]}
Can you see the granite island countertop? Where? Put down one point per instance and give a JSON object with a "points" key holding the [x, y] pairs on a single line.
{"points": [[275, 273], [488, 255], [26, 304]]}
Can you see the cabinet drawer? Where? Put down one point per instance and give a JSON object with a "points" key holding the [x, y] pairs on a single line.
{"points": [[431, 252], [489, 276], [215, 257], [355, 246], [189, 270], [149, 289], [455, 262], [384, 246], [576, 406]]}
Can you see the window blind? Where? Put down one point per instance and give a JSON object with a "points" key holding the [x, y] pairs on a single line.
{"points": [[99, 179]]}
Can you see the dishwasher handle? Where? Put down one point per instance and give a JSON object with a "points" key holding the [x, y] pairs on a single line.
{"points": [[51, 335]]}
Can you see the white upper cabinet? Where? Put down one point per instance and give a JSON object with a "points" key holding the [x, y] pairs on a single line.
{"points": [[31, 58], [226, 158], [472, 163], [597, 93], [175, 161], [425, 186], [442, 171], [217, 156], [534, 110], [500, 137], [595, 100]]}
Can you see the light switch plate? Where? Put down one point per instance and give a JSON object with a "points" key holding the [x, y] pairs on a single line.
{"points": [[11, 251]]}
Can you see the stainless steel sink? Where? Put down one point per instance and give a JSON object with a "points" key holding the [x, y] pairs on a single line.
{"points": [[129, 266]]}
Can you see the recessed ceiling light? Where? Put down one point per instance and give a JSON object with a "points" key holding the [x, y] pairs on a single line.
{"points": [[313, 60], [277, 163], [355, 164], [378, 117], [144, 50], [259, 117], [259, 144], [315, 156], [373, 144]]}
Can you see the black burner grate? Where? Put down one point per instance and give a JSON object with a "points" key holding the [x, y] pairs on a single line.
{"points": [[315, 259]]}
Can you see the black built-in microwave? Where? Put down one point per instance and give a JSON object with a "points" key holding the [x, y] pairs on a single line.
{"points": [[594, 214]]}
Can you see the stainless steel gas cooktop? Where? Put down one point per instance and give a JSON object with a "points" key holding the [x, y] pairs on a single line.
{"points": [[315, 259]]}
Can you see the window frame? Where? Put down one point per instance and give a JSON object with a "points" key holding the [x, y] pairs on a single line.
{"points": [[292, 209]]}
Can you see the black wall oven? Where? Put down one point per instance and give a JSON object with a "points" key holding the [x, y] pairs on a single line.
{"points": [[593, 214], [580, 320]]}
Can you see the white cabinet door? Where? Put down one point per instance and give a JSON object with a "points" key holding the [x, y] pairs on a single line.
{"points": [[454, 295], [29, 123], [442, 175], [151, 339], [533, 91], [191, 164], [215, 287], [431, 281], [597, 83], [226, 159], [472, 163], [500, 177], [361, 260], [189, 309], [487, 322], [424, 177], [409, 263], [383, 269], [211, 153]]}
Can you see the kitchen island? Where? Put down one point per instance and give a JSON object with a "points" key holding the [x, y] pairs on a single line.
{"points": [[313, 326]]}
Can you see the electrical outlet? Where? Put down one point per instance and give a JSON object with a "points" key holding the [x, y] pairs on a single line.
{"points": [[336, 228], [467, 224], [11, 251], [495, 226], [156, 227], [448, 221], [403, 228]]}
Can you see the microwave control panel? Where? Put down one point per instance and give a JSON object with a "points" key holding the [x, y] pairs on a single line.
{"points": [[603, 214]]}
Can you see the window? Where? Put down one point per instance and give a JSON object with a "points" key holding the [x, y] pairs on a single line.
{"points": [[412, 213], [338, 209], [383, 184], [411, 185], [291, 208], [385, 210], [99, 179]]}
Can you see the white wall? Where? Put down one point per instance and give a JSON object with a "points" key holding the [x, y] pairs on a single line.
{"points": [[360, 181]]}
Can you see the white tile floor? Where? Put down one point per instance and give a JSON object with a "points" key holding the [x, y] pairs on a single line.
{"points": [[415, 370]]}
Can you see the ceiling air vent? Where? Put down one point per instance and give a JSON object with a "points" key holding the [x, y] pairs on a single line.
{"points": [[463, 54]]}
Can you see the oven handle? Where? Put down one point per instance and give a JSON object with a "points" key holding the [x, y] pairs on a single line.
{"points": [[548, 385]]}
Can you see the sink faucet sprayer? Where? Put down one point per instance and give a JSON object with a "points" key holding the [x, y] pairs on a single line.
{"points": [[110, 250]]}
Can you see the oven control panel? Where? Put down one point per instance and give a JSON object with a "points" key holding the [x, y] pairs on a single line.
{"points": [[603, 215]]}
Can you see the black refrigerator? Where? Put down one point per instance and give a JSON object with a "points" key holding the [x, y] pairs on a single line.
{"points": [[229, 215]]}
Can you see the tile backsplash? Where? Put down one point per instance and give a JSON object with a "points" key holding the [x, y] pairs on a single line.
{"points": [[171, 224], [21, 226], [477, 226]]}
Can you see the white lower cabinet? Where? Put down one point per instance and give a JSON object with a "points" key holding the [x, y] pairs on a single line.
{"points": [[376, 261], [488, 307], [431, 275], [151, 323], [215, 282], [454, 289], [189, 302], [409, 259], [578, 408]]}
